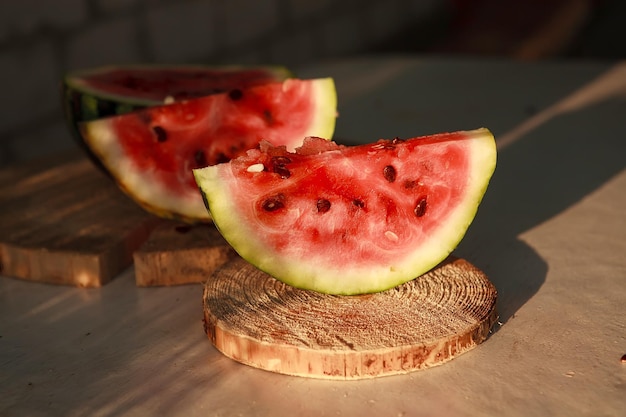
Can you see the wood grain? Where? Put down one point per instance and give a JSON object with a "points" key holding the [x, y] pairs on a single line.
{"points": [[177, 253], [62, 221], [259, 321]]}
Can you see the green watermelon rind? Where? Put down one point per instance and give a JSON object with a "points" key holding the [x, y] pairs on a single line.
{"points": [[341, 280], [191, 209]]}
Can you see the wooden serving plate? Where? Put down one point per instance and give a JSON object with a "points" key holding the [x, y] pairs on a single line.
{"points": [[259, 321]]}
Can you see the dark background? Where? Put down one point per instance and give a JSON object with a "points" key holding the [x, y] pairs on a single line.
{"points": [[40, 40], [521, 29]]}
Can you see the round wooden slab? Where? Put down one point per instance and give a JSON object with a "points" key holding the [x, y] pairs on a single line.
{"points": [[259, 321]]}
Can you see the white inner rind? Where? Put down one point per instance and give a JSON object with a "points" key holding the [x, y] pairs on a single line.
{"points": [[137, 183], [350, 278]]}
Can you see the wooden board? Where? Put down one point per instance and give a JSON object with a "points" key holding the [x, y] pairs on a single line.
{"points": [[63, 221], [176, 253], [259, 321]]}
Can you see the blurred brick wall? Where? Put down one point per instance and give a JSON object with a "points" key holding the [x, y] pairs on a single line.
{"points": [[42, 39]]}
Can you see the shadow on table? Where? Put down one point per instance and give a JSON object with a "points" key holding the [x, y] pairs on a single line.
{"points": [[117, 350], [550, 156], [541, 175]]}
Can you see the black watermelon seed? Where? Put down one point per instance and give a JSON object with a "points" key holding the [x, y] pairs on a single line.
{"points": [[389, 172], [420, 207], [358, 203], [323, 205], [221, 157], [278, 166], [235, 94], [200, 158], [268, 116], [408, 184], [282, 171], [160, 133], [274, 203]]}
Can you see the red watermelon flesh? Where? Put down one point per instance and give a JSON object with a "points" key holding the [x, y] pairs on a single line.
{"points": [[106, 91], [350, 220], [151, 152]]}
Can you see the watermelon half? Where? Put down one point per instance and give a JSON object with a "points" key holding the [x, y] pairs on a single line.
{"points": [[351, 220], [151, 152]]}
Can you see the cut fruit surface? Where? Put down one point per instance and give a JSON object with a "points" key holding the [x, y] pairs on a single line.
{"points": [[351, 220], [151, 152], [94, 93]]}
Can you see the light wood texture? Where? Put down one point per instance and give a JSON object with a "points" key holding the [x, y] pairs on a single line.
{"points": [[62, 221], [259, 321], [177, 253]]}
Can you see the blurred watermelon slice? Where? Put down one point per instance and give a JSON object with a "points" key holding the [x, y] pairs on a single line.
{"points": [[151, 152], [90, 94]]}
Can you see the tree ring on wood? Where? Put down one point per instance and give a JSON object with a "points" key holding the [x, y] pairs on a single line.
{"points": [[259, 321]]}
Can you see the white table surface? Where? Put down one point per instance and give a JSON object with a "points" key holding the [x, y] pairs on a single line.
{"points": [[551, 235]]}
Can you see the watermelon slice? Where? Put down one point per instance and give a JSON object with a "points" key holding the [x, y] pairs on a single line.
{"points": [[351, 220], [90, 94], [151, 152]]}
